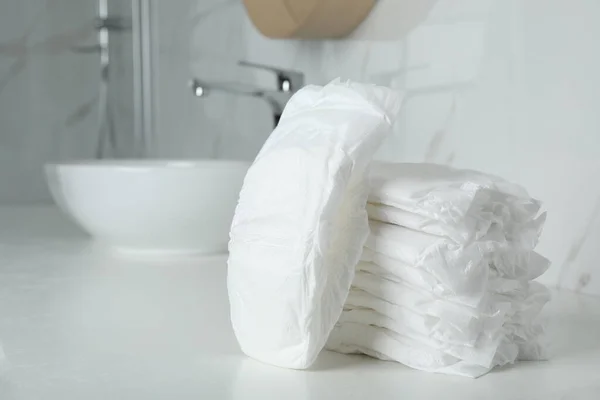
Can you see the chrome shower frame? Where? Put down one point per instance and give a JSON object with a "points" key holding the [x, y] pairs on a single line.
{"points": [[144, 70]]}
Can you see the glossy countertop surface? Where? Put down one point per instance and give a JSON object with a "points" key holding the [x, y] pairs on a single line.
{"points": [[79, 323]]}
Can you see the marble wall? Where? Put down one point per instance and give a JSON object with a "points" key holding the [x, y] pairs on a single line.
{"points": [[50, 92], [506, 86]]}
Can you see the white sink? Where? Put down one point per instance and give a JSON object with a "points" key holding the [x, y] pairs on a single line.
{"points": [[151, 207]]}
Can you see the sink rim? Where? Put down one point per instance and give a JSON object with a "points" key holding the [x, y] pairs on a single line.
{"points": [[145, 164]]}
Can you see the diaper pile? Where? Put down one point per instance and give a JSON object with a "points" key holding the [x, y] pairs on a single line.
{"points": [[445, 279], [430, 266]]}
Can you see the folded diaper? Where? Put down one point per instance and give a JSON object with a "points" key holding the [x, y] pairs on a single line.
{"points": [[444, 281], [385, 344], [460, 204], [498, 281], [427, 303], [424, 324], [481, 352], [460, 267], [301, 222]]}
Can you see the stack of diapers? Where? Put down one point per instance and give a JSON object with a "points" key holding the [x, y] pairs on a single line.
{"points": [[445, 281], [421, 264]]}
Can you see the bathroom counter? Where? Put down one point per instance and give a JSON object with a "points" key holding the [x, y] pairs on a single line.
{"points": [[78, 323]]}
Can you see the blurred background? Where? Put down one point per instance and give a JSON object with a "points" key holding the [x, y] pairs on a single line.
{"points": [[509, 87]]}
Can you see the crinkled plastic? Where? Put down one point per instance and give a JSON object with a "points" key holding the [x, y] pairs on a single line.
{"points": [[526, 305], [427, 303], [460, 204], [396, 270], [460, 267], [301, 222], [482, 352], [535, 349], [385, 344], [522, 305], [436, 327], [464, 269], [527, 265], [354, 338], [388, 318]]}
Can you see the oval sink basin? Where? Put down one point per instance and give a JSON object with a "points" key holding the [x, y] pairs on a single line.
{"points": [[151, 207]]}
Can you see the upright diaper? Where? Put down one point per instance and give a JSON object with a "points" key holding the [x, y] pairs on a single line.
{"points": [[301, 222]]}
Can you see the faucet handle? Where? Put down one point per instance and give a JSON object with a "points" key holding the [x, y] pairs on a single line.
{"points": [[287, 80]]}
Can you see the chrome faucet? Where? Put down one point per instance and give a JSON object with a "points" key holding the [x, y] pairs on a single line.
{"points": [[288, 82]]}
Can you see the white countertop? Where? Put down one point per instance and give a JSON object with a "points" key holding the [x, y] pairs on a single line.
{"points": [[77, 323]]}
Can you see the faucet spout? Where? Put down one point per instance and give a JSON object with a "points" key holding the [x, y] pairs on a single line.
{"points": [[275, 100], [288, 82]]}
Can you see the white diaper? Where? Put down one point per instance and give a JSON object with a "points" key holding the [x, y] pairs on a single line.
{"points": [[386, 345], [301, 222], [460, 204], [396, 270]]}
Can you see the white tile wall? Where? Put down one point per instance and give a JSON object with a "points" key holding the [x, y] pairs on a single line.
{"points": [[511, 87], [48, 94]]}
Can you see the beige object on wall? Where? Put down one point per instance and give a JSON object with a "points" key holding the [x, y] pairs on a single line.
{"points": [[307, 19]]}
